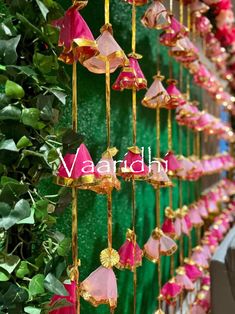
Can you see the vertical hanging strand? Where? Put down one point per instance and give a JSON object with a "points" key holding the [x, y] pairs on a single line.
{"points": [[158, 205], [133, 47], [74, 194], [107, 89], [198, 154], [133, 227]]}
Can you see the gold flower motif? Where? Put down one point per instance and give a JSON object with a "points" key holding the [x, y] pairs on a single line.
{"points": [[109, 258]]}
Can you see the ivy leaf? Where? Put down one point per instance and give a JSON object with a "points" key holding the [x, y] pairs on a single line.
{"points": [[41, 209], [64, 247], [32, 310], [36, 285], [23, 142], [22, 270], [8, 53], [8, 145], [26, 70], [42, 8], [45, 64], [29, 220], [4, 275], [11, 190], [10, 113], [59, 94], [14, 90], [58, 304], [9, 262], [53, 285], [30, 116], [15, 294], [21, 211]]}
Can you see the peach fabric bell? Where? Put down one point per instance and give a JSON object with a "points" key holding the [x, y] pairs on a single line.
{"points": [[157, 175], [77, 169], [106, 168], [159, 244], [100, 287], [75, 37], [182, 279], [156, 95], [170, 291], [131, 77], [156, 16], [176, 98], [130, 252], [109, 50], [133, 166]]}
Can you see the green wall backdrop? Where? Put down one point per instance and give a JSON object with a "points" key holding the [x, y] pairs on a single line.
{"points": [[91, 122]]}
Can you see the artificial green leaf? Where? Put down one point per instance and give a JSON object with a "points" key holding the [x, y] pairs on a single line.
{"points": [[6, 180], [32, 310], [10, 113], [53, 285], [12, 191], [9, 262], [59, 94], [52, 155], [22, 270], [21, 211], [23, 142], [8, 145], [8, 54], [4, 100], [45, 64], [29, 220], [30, 116], [58, 304], [15, 294], [64, 247], [41, 209], [14, 90], [36, 285], [4, 275], [2, 67], [26, 70], [42, 8]]}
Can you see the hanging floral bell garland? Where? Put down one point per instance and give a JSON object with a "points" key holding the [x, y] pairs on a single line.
{"points": [[156, 95], [75, 36], [158, 177], [170, 291], [109, 50], [156, 16], [176, 98], [173, 164], [168, 226], [159, 244], [182, 279], [130, 253], [100, 287]]}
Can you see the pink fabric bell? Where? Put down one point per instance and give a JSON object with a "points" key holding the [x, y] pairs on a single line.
{"points": [[173, 164], [156, 16], [159, 244], [225, 18], [131, 77], [174, 32], [133, 165], [130, 252], [182, 225], [168, 227], [71, 289], [109, 50], [74, 30], [194, 216], [198, 7], [182, 279], [192, 271], [100, 287], [176, 98], [203, 25], [156, 95], [170, 291], [200, 258], [202, 209], [186, 167], [79, 167], [197, 309]]}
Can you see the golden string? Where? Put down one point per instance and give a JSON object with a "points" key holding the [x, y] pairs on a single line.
{"points": [[106, 11], [171, 6], [181, 12], [107, 85], [158, 222], [158, 132], [133, 228], [134, 115], [74, 193], [109, 207], [133, 43]]}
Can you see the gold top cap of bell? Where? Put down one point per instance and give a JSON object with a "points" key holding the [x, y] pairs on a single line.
{"points": [[110, 152], [134, 149], [130, 235], [169, 212], [107, 27], [109, 258], [172, 81], [159, 311], [197, 248], [189, 261], [205, 288], [80, 4], [157, 233], [201, 295], [135, 55], [180, 270], [159, 76]]}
